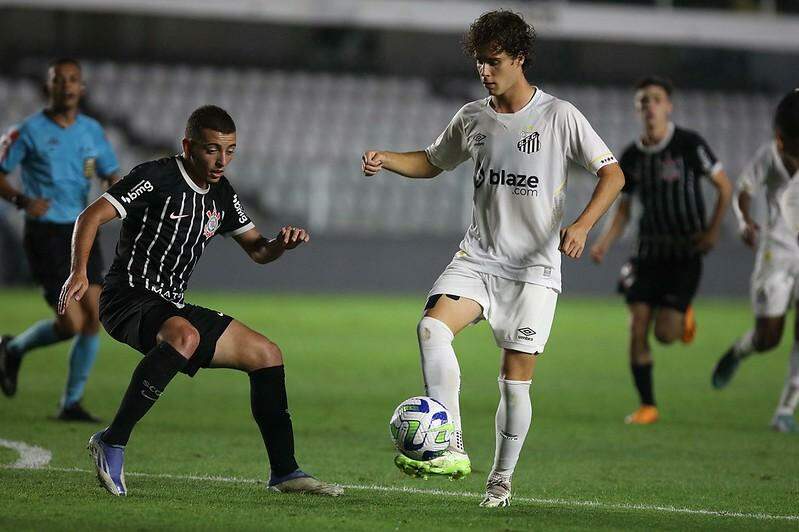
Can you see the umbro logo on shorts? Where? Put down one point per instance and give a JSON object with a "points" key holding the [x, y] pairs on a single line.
{"points": [[525, 333]]}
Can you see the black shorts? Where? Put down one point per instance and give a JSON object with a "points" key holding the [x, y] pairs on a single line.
{"points": [[669, 283], [134, 317], [48, 248]]}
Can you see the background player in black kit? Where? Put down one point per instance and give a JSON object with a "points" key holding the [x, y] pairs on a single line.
{"points": [[171, 208], [664, 169]]}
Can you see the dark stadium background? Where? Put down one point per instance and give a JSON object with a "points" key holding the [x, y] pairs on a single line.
{"points": [[747, 56]]}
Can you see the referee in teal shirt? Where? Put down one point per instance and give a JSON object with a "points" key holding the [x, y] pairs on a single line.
{"points": [[60, 151]]}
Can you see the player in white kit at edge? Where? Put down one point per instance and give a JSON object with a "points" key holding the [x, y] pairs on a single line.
{"points": [[507, 270]]}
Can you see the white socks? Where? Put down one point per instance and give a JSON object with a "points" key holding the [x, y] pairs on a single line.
{"points": [[790, 392], [442, 375], [743, 347], [512, 423]]}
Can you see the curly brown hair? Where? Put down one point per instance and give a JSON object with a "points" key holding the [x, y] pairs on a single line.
{"points": [[500, 31]]}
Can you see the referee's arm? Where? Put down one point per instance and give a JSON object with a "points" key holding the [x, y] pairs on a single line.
{"points": [[33, 207], [92, 217], [705, 240]]}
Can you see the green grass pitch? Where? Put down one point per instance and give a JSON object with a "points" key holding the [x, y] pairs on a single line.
{"points": [[350, 360]]}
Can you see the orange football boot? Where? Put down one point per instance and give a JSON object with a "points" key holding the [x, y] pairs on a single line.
{"points": [[689, 326], [645, 415]]}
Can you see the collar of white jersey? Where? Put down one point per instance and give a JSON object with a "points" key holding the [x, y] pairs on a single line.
{"points": [[189, 181], [781, 165], [655, 148], [501, 117]]}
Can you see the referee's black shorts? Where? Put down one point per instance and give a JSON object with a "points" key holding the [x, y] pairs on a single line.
{"points": [[48, 248], [663, 283], [134, 317]]}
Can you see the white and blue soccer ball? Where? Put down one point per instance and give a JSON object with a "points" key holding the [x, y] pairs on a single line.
{"points": [[421, 428]]}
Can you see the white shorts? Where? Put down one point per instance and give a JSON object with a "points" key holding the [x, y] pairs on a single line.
{"points": [[520, 314], [775, 284]]}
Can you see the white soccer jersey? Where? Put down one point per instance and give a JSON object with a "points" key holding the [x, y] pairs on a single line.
{"points": [[520, 174], [767, 170]]}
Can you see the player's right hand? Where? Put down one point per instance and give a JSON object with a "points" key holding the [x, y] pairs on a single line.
{"points": [[749, 234], [36, 207], [371, 163], [74, 288]]}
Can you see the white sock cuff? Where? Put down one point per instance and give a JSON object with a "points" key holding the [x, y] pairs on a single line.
{"points": [[434, 332], [514, 383]]}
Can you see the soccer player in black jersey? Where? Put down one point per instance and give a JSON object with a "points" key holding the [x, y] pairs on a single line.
{"points": [[664, 169], [170, 209]]}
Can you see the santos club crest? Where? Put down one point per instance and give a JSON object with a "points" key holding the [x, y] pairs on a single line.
{"points": [[214, 220]]}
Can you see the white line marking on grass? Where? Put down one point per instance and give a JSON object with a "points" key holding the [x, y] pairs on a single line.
{"points": [[30, 456], [462, 494]]}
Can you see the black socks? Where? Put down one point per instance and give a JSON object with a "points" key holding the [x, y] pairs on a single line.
{"points": [[643, 382], [149, 379], [270, 410]]}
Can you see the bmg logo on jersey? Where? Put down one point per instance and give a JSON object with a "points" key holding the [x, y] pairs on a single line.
{"points": [[239, 209], [138, 190], [522, 184]]}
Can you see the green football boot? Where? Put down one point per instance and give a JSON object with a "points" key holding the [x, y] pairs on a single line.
{"points": [[452, 464]]}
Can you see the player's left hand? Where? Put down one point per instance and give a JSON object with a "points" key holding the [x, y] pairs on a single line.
{"points": [[290, 237], [706, 240], [74, 288], [572, 240]]}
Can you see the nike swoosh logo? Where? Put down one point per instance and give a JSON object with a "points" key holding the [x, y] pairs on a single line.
{"points": [[177, 216], [153, 399]]}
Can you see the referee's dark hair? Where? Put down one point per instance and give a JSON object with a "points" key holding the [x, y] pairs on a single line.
{"points": [[501, 31], [209, 117], [657, 81], [786, 119]]}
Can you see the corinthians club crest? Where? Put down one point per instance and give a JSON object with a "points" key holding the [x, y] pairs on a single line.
{"points": [[214, 220]]}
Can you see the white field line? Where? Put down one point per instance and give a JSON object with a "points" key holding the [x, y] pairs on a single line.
{"points": [[30, 456], [441, 493]]}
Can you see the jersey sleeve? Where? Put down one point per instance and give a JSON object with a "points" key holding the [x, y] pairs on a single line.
{"points": [[583, 145], [132, 192], [13, 149], [236, 220], [107, 163], [628, 169], [450, 148], [705, 160], [754, 173]]}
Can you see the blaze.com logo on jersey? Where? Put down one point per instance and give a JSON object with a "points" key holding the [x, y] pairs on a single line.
{"points": [[522, 184]]}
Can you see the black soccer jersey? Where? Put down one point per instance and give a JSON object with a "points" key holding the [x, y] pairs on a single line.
{"points": [[667, 179], [167, 220]]}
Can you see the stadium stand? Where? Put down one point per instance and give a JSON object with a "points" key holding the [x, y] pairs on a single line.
{"points": [[301, 134]]}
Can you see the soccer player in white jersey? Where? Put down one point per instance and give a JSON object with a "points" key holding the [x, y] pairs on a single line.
{"points": [[775, 279], [507, 270]]}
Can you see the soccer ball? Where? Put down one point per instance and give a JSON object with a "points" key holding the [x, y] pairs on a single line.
{"points": [[421, 428]]}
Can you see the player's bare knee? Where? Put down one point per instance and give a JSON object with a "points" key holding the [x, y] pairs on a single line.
{"points": [[67, 326], [666, 335], [91, 323], [262, 353], [183, 337]]}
